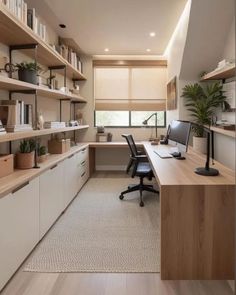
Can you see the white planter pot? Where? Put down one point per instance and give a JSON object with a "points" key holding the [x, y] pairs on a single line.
{"points": [[200, 144]]}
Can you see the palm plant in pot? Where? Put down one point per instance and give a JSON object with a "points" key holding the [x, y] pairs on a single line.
{"points": [[25, 156], [28, 72], [202, 103]]}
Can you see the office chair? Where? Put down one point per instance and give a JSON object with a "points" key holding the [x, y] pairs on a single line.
{"points": [[141, 169]]}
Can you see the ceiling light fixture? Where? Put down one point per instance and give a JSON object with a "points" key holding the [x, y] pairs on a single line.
{"points": [[148, 49], [106, 49], [63, 26], [152, 34]]}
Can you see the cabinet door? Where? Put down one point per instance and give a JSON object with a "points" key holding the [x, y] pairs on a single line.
{"points": [[51, 196], [71, 178], [19, 227]]}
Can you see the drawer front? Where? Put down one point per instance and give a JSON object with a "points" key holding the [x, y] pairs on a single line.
{"points": [[83, 154]]}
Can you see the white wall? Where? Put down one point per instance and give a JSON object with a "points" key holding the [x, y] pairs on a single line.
{"points": [[174, 55]]}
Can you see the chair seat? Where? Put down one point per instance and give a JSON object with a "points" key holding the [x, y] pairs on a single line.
{"points": [[143, 169]]}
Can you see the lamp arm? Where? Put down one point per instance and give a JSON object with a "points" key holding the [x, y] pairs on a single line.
{"points": [[154, 114]]}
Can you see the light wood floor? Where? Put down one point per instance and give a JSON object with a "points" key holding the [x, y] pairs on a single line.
{"points": [[29, 283]]}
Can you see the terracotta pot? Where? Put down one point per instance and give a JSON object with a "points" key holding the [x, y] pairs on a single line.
{"points": [[200, 144], [41, 159], [25, 160]]}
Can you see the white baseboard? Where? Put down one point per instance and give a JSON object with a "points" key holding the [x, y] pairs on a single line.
{"points": [[111, 167]]}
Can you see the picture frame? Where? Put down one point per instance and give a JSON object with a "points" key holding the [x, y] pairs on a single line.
{"points": [[172, 94]]}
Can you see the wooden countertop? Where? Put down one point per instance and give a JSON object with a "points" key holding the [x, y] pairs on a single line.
{"points": [[181, 172]]}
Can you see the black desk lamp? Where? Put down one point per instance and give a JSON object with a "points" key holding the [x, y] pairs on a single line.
{"points": [[146, 121], [207, 170]]}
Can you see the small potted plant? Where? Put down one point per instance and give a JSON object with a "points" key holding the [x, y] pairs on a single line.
{"points": [[25, 156], [28, 72], [202, 103], [41, 153]]}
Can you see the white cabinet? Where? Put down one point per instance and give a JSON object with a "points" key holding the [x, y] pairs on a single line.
{"points": [[71, 178], [83, 157], [51, 196], [19, 227], [76, 173]]}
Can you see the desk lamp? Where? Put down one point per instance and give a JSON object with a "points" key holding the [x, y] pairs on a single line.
{"points": [[155, 140], [207, 170]]}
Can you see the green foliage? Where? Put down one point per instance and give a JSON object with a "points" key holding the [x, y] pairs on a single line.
{"points": [[31, 66], [27, 146], [203, 102], [41, 150]]}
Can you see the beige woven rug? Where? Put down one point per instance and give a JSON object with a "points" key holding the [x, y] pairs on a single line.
{"points": [[100, 233]]}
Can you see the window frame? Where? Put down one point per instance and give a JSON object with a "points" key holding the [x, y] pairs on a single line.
{"points": [[131, 126]]}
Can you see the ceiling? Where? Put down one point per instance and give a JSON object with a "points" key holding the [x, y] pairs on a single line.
{"points": [[123, 26]]}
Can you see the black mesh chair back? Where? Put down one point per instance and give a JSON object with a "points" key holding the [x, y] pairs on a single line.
{"points": [[140, 169]]}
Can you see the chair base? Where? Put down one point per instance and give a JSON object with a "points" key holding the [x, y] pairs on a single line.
{"points": [[139, 187]]}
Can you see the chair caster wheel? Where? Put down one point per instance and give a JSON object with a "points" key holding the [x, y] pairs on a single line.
{"points": [[121, 197], [141, 204]]}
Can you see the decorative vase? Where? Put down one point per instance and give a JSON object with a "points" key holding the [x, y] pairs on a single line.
{"points": [[29, 76], [25, 160], [200, 144], [40, 121], [42, 158]]}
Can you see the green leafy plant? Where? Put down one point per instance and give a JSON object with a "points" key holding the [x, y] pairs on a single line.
{"points": [[202, 103], [31, 66], [27, 146], [41, 150]]}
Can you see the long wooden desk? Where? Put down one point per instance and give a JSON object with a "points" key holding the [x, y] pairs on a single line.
{"points": [[197, 218]]}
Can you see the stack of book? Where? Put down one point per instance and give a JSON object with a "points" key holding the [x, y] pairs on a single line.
{"points": [[18, 8], [34, 23], [16, 115], [2, 129], [71, 56], [54, 124], [27, 15]]}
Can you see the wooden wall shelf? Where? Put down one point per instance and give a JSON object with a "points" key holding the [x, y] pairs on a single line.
{"points": [[229, 133], [222, 74], [35, 133], [14, 85], [15, 32]]}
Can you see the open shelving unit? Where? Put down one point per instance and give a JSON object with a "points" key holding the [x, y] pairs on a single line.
{"points": [[35, 133], [221, 74], [14, 85], [14, 32], [230, 133], [18, 36]]}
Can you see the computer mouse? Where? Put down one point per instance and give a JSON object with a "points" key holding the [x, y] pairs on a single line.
{"points": [[180, 158]]}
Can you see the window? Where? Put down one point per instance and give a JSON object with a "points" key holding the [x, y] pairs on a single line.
{"points": [[128, 118], [125, 95]]}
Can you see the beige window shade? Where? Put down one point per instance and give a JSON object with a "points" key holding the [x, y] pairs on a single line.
{"points": [[130, 88]]}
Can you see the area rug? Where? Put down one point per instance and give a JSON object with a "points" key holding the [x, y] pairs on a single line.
{"points": [[101, 233]]}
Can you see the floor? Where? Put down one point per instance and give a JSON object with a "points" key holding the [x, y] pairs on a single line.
{"points": [[29, 283]]}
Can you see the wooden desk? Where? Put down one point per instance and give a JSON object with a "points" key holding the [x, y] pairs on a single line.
{"points": [[94, 145], [197, 218]]}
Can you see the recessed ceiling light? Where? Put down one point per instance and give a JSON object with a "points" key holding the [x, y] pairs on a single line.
{"points": [[63, 26], [152, 34], [106, 49], [148, 49]]}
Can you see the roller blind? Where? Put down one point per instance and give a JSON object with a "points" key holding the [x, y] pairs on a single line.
{"points": [[130, 88]]}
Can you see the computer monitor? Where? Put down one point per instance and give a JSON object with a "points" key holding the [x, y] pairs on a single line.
{"points": [[179, 132]]}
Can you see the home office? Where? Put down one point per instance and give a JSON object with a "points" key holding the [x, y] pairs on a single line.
{"points": [[72, 220]]}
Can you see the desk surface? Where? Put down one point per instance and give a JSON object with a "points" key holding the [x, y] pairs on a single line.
{"points": [[181, 172]]}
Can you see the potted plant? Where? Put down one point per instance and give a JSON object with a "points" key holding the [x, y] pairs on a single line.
{"points": [[202, 103], [25, 156], [28, 71], [41, 153]]}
